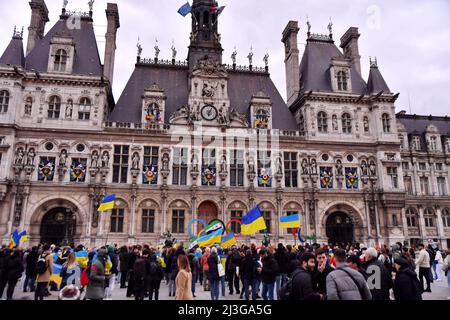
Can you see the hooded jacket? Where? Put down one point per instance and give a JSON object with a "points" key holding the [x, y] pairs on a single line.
{"points": [[406, 285]]}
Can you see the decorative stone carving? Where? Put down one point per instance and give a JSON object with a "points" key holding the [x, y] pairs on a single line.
{"points": [[223, 164], [236, 116], [364, 168], [63, 158], [135, 161], [20, 154], [223, 116], [31, 154], [305, 167], [251, 164], [209, 89], [279, 165], [105, 159], [335, 122], [94, 159], [313, 166], [339, 168], [373, 168]]}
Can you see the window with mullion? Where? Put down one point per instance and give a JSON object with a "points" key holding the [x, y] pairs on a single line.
{"points": [[117, 217], [267, 218], [120, 165], [237, 168], [290, 213], [178, 217], [179, 174], [148, 220], [290, 170], [236, 227]]}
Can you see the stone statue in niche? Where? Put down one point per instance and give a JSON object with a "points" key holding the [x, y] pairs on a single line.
{"points": [[105, 160], [69, 109], [63, 158], [194, 162], [305, 166], [251, 164], [366, 124], [339, 168], [335, 123], [19, 156], [223, 115], [94, 159], [223, 163], [279, 165], [364, 168], [135, 161], [313, 166], [165, 162], [373, 168], [30, 157]]}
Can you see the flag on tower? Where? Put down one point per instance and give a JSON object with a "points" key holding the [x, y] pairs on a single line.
{"points": [[185, 9]]}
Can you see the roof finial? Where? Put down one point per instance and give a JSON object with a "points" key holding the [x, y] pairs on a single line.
{"points": [[309, 26], [91, 7], [373, 63], [233, 56], [330, 29], [266, 58], [139, 47], [157, 51], [250, 56], [65, 3], [18, 34], [174, 50]]}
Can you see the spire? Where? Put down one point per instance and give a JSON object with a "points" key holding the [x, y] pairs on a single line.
{"points": [[376, 82], [14, 54]]}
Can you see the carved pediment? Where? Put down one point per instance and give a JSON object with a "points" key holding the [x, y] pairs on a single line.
{"points": [[209, 66]]}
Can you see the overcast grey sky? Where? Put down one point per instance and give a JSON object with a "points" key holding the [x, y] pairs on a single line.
{"points": [[410, 38]]}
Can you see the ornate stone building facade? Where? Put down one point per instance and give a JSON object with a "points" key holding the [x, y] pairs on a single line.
{"points": [[202, 139]]}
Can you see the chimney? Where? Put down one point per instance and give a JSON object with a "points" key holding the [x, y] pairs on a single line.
{"points": [[291, 61], [112, 15], [349, 42], [39, 17]]}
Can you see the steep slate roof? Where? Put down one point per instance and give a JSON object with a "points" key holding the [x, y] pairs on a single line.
{"points": [[417, 125], [14, 54], [315, 65], [174, 82], [376, 82], [86, 60]]}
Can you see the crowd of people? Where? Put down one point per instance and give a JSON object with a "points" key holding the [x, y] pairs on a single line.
{"points": [[304, 272]]}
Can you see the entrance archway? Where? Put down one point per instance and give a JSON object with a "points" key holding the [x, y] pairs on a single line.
{"points": [[58, 226], [208, 211], [340, 229]]}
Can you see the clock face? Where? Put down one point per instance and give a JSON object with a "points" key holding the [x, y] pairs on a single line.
{"points": [[209, 113]]}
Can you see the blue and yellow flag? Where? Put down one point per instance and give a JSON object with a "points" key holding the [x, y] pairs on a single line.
{"points": [[228, 240], [107, 203], [18, 238], [185, 9], [253, 222], [210, 239], [292, 221], [82, 258]]}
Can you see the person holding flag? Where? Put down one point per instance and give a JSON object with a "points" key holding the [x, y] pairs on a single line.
{"points": [[18, 238]]}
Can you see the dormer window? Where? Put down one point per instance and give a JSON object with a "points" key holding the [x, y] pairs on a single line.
{"points": [[60, 61], [342, 81], [386, 123], [54, 107], [322, 122], [4, 101], [433, 143], [346, 123], [416, 143], [28, 106], [84, 110]]}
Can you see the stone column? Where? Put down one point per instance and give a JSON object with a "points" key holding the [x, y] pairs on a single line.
{"points": [[194, 207], [433, 183], [405, 224], [133, 223], [423, 232], [440, 226], [279, 214], [163, 210], [307, 217], [367, 209]]}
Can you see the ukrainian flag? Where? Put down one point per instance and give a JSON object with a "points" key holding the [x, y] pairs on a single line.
{"points": [[210, 239], [107, 203], [292, 221], [18, 238], [82, 258], [56, 276], [228, 240], [253, 222]]}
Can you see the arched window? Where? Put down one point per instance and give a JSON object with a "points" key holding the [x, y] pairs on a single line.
{"points": [[28, 106], [84, 110], [446, 218], [411, 218], [346, 123], [54, 107], [60, 61], [342, 81], [322, 121], [4, 101], [428, 216], [386, 123]]}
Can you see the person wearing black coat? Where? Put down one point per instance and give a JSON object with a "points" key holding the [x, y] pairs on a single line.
{"points": [[406, 285], [269, 274], [132, 256], [13, 269], [372, 263], [247, 270], [123, 261], [282, 260], [30, 270], [155, 276], [302, 283], [233, 261], [321, 271], [214, 278]]}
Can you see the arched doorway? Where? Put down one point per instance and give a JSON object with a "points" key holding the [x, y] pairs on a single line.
{"points": [[340, 229], [58, 226], [207, 211]]}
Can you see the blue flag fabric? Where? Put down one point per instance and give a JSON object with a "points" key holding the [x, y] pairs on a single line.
{"points": [[185, 9]]}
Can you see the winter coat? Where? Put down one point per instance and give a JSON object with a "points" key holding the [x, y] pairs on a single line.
{"points": [[194, 263], [247, 268], [423, 261], [156, 272], [213, 261], [204, 261], [282, 259], [385, 280], [320, 279], [438, 257], [183, 284], [302, 285], [406, 285], [233, 260], [14, 268], [123, 258], [96, 287], [45, 277], [340, 285], [31, 262], [115, 262], [270, 269]]}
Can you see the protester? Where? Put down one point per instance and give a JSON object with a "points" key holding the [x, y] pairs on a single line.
{"points": [[268, 274], [70, 269], [12, 272], [423, 262], [140, 274], [96, 287], [345, 283], [183, 279], [44, 270], [214, 277], [156, 274], [438, 263], [406, 284], [194, 263], [132, 256], [30, 270], [446, 267], [232, 264], [205, 267], [113, 272], [282, 259], [323, 268], [123, 261], [302, 283], [372, 265], [247, 270], [354, 262]]}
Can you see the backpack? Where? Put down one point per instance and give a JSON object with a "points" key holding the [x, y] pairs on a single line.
{"points": [[139, 269], [41, 265], [286, 292]]}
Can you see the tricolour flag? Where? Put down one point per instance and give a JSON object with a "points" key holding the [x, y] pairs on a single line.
{"points": [[107, 203], [185, 9], [253, 222], [210, 239], [292, 221], [18, 238], [228, 240]]}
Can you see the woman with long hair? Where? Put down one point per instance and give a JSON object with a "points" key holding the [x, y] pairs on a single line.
{"points": [[70, 271], [184, 279]]}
